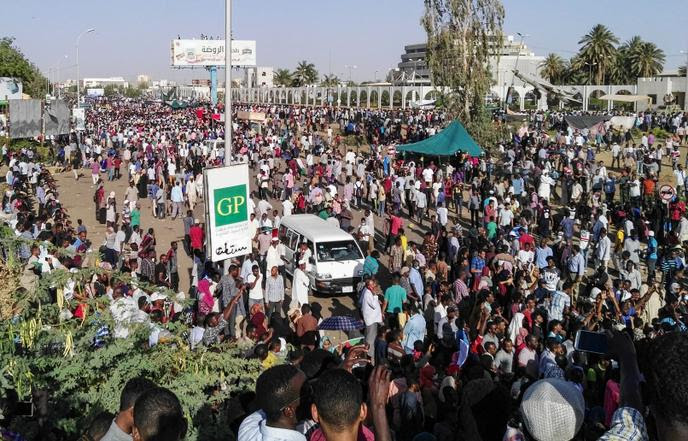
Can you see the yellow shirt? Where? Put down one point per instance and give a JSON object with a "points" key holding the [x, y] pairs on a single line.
{"points": [[404, 242], [269, 361]]}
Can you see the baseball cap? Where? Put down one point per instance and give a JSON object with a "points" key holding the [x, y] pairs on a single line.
{"points": [[553, 410]]}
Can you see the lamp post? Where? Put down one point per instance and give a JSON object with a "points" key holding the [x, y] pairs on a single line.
{"points": [[375, 79], [228, 82], [87, 31], [513, 77], [350, 67], [685, 90], [590, 65]]}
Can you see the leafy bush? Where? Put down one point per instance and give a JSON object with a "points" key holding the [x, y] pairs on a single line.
{"points": [[41, 352]]}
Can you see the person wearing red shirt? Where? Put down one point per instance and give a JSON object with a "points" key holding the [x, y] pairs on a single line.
{"points": [[525, 238], [196, 235]]}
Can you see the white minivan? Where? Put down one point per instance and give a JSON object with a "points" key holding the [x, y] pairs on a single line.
{"points": [[336, 264]]}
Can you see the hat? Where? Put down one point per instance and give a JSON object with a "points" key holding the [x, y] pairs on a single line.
{"points": [[112, 194], [651, 233], [157, 296], [404, 270], [553, 409], [275, 239], [197, 221], [595, 292]]}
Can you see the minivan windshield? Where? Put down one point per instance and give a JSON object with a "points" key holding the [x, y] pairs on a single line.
{"points": [[338, 251]]}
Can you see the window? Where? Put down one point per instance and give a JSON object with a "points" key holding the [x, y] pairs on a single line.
{"points": [[338, 251], [292, 240]]}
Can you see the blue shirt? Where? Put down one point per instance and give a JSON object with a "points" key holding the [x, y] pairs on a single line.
{"points": [[414, 330], [541, 255], [652, 248], [370, 266], [518, 186], [417, 281], [567, 226]]}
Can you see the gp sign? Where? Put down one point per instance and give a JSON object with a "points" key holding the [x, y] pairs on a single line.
{"points": [[226, 199], [666, 193]]}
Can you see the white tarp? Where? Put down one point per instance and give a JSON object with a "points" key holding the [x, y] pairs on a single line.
{"points": [[227, 214], [212, 53], [625, 122], [625, 98]]}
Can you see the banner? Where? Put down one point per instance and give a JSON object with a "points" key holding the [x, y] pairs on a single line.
{"points": [[95, 92], [212, 53], [25, 118], [227, 214], [79, 116], [57, 118]]}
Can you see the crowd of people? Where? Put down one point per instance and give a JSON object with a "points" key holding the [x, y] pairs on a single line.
{"points": [[479, 274]]}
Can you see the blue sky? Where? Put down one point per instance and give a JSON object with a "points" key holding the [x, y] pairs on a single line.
{"points": [[133, 37]]}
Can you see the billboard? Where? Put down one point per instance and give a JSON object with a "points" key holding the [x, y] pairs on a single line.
{"points": [[56, 118], [95, 92], [10, 89], [79, 116], [212, 53], [227, 214], [25, 118]]}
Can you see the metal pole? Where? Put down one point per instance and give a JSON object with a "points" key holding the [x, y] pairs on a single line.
{"points": [[77, 62], [228, 82], [685, 93]]}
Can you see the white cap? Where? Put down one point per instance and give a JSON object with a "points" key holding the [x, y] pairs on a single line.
{"points": [[197, 221], [651, 233], [595, 292], [553, 410], [157, 296]]}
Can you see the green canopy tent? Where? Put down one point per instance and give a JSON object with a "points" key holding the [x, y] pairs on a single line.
{"points": [[452, 139]]}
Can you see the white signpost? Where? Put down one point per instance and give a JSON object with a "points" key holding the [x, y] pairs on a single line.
{"points": [[227, 215], [187, 53]]}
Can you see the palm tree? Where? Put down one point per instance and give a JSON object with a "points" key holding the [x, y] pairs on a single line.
{"points": [[330, 81], [282, 77], [647, 60], [622, 70], [553, 68], [305, 73], [598, 51]]}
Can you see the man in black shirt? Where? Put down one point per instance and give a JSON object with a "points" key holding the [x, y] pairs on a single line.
{"points": [[161, 278]]}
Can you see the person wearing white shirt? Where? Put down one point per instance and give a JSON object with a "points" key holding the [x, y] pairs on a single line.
{"points": [[427, 175], [372, 315], [442, 214], [255, 283], [275, 254], [300, 286], [604, 247], [287, 207]]}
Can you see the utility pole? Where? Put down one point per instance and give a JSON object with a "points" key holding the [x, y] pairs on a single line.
{"points": [[228, 82], [87, 31]]}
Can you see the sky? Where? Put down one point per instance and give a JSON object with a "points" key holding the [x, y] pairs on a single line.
{"points": [[133, 37]]}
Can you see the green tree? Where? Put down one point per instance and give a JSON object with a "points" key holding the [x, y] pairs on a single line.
{"points": [[461, 36], [598, 50], [553, 68], [330, 81], [305, 73], [14, 64], [646, 59], [282, 77]]}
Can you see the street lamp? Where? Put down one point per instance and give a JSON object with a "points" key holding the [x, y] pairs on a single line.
{"points": [[375, 79], [350, 67], [590, 65], [685, 90], [87, 31]]}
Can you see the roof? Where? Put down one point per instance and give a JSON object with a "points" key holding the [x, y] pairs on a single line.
{"points": [[311, 226], [452, 139]]}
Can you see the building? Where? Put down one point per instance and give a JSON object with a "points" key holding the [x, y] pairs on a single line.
{"points": [[507, 56], [102, 82], [200, 82], [143, 79], [261, 76]]}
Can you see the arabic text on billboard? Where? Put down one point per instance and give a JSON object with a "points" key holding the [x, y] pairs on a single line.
{"points": [[212, 53]]}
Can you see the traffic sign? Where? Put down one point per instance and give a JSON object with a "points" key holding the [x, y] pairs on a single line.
{"points": [[666, 193]]}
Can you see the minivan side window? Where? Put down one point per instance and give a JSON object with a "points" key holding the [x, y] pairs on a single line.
{"points": [[293, 237]]}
